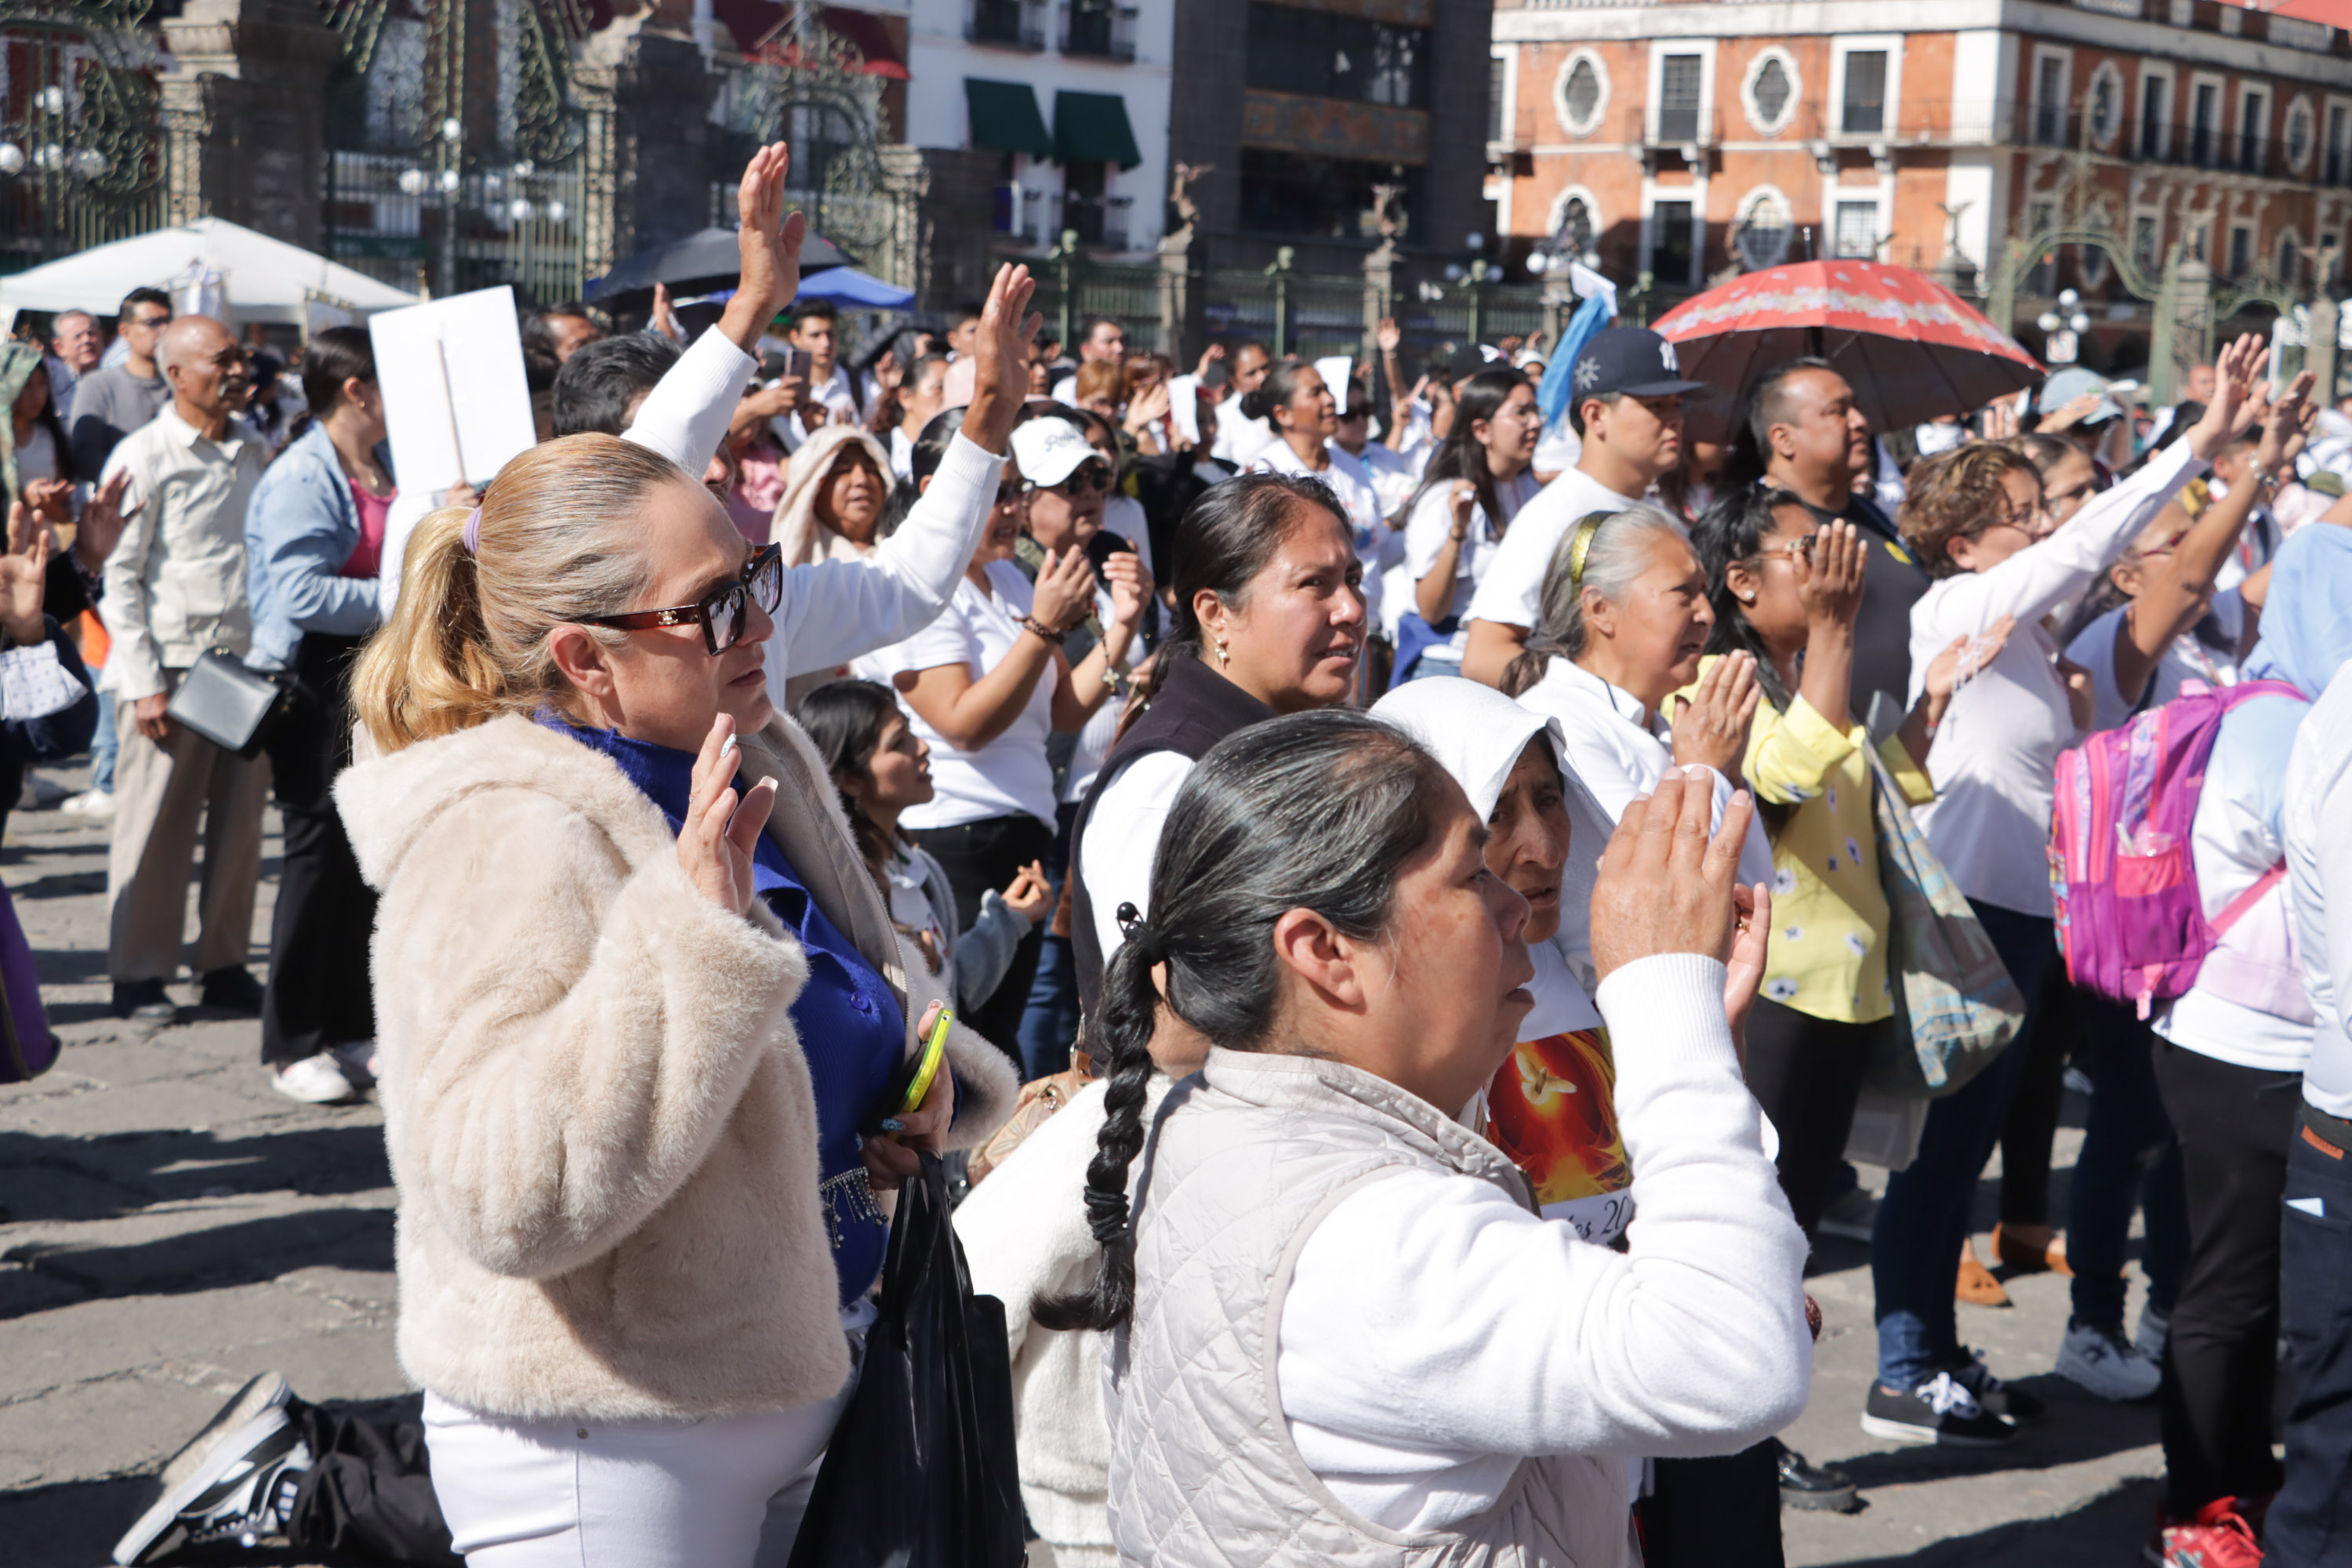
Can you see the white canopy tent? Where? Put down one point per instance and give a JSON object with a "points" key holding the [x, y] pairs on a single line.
{"points": [[256, 278]]}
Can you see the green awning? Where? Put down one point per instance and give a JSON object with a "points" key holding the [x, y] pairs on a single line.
{"points": [[1004, 117], [1092, 128]]}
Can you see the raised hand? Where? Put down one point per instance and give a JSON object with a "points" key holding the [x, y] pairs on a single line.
{"points": [[2234, 408], [769, 244], [1001, 381], [721, 830], [1829, 584], [1743, 973], [102, 517], [1065, 589], [1664, 885], [1712, 726], [2286, 423], [1130, 587], [1388, 335], [24, 576]]}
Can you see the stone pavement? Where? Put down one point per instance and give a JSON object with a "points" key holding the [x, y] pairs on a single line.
{"points": [[171, 1227]]}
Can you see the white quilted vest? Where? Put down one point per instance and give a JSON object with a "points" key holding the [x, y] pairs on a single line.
{"points": [[1242, 1163]]}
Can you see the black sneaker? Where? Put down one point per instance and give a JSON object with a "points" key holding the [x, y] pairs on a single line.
{"points": [[1941, 1410], [1996, 1397], [231, 990], [145, 1001], [240, 1492], [1823, 1487]]}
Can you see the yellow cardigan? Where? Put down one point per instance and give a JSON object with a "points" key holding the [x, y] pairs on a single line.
{"points": [[1828, 952]]}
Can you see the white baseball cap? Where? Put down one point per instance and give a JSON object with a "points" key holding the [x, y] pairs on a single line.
{"points": [[1049, 450]]}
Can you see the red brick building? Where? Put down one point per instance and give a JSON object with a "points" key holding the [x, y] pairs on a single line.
{"points": [[1694, 136]]}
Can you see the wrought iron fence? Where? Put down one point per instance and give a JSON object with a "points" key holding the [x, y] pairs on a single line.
{"points": [[516, 224], [84, 153]]}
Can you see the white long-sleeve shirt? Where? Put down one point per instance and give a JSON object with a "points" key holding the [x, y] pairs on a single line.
{"points": [[2319, 871], [1621, 749], [832, 611], [1434, 1332], [1995, 756]]}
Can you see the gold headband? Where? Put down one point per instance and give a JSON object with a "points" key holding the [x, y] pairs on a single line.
{"points": [[1581, 545]]}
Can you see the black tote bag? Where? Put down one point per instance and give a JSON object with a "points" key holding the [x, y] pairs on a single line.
{"points": [[920, 1472]]}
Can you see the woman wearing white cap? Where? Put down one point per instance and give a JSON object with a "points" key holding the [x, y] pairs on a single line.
{"points": [[987, 683]]}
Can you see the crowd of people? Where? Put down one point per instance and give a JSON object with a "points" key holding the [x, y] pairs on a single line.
{"points": [[1467, 888]]}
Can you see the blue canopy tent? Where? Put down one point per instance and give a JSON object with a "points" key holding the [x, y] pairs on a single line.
{"points": [[847, 287]]}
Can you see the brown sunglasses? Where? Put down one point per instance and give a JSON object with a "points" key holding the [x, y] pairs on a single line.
{"points": [[719, 613]]}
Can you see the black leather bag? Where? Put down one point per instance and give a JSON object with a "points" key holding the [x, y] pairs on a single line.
{"points": [[228, 703]]}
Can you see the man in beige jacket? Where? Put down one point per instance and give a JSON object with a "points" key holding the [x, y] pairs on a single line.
{"points": [[176, 585]]}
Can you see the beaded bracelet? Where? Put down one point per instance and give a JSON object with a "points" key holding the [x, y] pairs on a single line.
{"points": [[1032, 624]]}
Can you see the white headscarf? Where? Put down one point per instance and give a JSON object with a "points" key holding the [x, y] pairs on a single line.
{"points": [[796, 527], [1477, 734]]}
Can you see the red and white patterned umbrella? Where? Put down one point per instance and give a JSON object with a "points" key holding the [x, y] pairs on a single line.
{"points": [[1910, 347]]}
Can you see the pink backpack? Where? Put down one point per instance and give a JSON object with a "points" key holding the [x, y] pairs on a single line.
{"points": [[2130, 921]]}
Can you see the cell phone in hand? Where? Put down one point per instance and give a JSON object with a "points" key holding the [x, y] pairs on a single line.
{"points": [[798, 363], [1104, 544]]}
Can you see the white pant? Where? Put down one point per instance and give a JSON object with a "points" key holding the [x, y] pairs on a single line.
{"points": [[627, 1494]]}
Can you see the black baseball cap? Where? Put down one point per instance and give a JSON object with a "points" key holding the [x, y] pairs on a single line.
{"points": [[1630, 360]]}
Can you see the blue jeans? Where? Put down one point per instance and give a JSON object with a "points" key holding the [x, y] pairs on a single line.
{"points": [[1914, 1248], [104, 745], [2127, 1154], [2311, 1522]]}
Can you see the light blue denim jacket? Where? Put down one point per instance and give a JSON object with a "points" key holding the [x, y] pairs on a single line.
{"points": [[300, 526]]}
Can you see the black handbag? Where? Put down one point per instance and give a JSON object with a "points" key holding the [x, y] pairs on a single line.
{"points": [[920, 1471], [228, 703]]}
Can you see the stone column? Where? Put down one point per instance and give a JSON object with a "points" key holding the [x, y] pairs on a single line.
{"points": [[1183, 303], [1380, 295], [946, 201], [244, 111], [2319, 355]]}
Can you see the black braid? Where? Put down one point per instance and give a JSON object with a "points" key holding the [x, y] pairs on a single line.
{"points": [[1129, 1006]]}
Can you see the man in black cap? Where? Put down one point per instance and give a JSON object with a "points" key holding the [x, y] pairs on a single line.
{"points": [[1628, 409]]}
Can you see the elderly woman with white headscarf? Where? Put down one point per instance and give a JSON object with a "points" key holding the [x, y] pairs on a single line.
{"points": [[1552, 1106], [836, 488]]}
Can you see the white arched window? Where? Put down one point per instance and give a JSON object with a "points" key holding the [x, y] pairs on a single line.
{"points": [[1575, 226], [1762, 232], [1770, 90], [2298, 140], [1581, 93], [2102, 103]]}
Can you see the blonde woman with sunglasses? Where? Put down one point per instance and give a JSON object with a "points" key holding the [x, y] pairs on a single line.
{"points": [[648, 1034]]}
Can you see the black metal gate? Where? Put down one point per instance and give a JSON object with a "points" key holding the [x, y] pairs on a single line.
{"points": [[83, 157]]}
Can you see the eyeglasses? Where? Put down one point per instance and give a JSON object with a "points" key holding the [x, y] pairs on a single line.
{"points": [[1795, 549], [1088, 478], [719, 613], [1011, 491]]}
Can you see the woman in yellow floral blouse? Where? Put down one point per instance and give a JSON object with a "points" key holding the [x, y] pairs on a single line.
{"points": [[1785, 589]]}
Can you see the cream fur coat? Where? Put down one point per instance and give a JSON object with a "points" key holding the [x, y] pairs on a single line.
{"points": [[600, 1119]]}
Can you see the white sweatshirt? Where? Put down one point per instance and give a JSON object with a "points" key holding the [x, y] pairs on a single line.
{"points": [[2319, 870], [1995, 757], [1435, 1332]]}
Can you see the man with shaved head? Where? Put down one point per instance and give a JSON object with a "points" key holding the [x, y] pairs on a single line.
{"points": [[176, 585]]}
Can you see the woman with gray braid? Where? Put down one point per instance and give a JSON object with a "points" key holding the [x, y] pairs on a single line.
{"points": [[1338, 1327]]}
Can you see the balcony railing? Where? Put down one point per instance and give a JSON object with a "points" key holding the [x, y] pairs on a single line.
{"points": [[1010, 24], [1979, 122], [1098, 31], [1098, 220]]}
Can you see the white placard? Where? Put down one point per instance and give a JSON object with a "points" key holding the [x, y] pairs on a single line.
{"points": [[455, 399], [1184, 404], [1335, 371]]}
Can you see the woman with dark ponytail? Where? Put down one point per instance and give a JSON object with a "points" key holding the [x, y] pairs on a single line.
{"points": [[1316, 1240], [1477, 482], [1269, 620], [1303, 415]]}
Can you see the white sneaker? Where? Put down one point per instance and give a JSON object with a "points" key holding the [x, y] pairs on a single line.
{"points": [[314, 1081], [2104, 1362], [90, 803], [2155, 1331]]}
